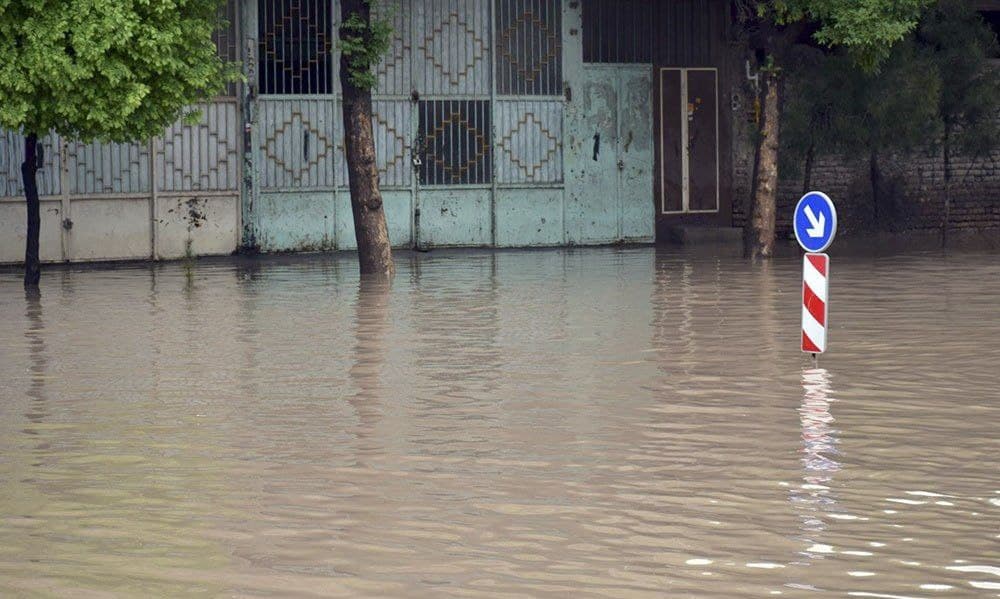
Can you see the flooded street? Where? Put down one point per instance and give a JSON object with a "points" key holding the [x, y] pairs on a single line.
{"points": [[580, 423]]}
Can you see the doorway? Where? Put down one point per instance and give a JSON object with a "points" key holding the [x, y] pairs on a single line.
{"points": [[688, 115]]}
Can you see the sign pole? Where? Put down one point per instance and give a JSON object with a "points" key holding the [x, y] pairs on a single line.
{"points": [[815, 224]]}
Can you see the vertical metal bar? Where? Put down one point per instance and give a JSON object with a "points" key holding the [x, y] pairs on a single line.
{"points": [[493, 111], [262, 46], [454, 107], [64, 198], [414, 133], [154, 241]]}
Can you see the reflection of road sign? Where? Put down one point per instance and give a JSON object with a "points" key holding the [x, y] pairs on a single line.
{"points": [[815, 221], [815, 307]]}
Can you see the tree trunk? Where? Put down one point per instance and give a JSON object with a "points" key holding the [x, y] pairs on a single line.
{"points": [[808, 169], [875, 175], [946, 217], [29, 173], [374, 249], [762, 220]]}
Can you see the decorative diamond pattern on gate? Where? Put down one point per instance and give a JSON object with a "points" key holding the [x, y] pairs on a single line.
{"points": [[454, 142], [391, 128], [295, 134], [295, 46], [529, 141], [393, 73], [200, 157], [297, 143], [454, 30], [99, 168], [529, 47], [452, 54]]}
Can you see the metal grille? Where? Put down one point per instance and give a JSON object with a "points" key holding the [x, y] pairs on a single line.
{"points": [[201, 157], [529, 48], [529, 144], [617, 31], [296, 43], [227, 38], [100, 168], [453, 47], [689, 28], [454, 142], [11, 157]]}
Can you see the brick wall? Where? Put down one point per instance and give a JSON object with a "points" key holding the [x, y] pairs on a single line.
{"points": [[912, 196]]}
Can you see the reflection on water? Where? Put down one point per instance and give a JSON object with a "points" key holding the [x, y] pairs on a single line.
{"points": [[601, 422]]}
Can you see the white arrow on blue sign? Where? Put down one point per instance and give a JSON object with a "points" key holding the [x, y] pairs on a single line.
{"points": [[815, 221]]}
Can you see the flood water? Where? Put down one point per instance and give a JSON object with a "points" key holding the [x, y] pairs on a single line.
{"points": [[580, 423]]}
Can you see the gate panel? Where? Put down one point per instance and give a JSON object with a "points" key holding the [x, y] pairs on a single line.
{"points": [[529, 47], [392, 126], [592, 208], [297, 143], [98, 168], [636, 151], [394, 72], [203, 156], [453, 47], [529, 142]]}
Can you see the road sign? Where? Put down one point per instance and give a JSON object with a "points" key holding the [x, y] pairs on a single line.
{"points": [[815, 221], [815, 303]]}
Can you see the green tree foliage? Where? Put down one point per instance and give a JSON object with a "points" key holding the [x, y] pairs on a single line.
{"points": [[113, 70], [837, 109], [960, 45], [936, 89], [364, 44], [116, 70], [867, 29]]}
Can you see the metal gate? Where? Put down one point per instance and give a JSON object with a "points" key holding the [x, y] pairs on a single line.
{"points": [[611, 156], [467, 117]]}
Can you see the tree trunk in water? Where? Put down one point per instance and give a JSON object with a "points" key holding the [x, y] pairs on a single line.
{"points": [[374, 249], [946, 217], [762, 220], [807, 175], [29, 173], [876, 180]]}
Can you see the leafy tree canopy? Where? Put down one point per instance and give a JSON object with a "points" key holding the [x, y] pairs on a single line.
{"points": [[115, 70], [935, 81], [960, 45], [866, 28]]}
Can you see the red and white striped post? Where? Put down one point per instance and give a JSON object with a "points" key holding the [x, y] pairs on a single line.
{"points": [[815, 302]]}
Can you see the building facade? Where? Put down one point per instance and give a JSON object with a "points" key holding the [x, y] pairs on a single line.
{"points": [[500, 123]]}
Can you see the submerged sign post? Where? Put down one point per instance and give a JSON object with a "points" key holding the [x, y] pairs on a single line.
{"points": [[815, 225]]}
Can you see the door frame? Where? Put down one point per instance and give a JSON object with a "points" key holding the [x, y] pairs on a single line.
{"points": [[685, 155]]}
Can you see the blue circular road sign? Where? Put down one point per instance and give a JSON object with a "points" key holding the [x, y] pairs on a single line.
{"points": [[815, 221]]}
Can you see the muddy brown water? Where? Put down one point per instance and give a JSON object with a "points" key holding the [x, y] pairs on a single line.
{"points": [[606, 422]]}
